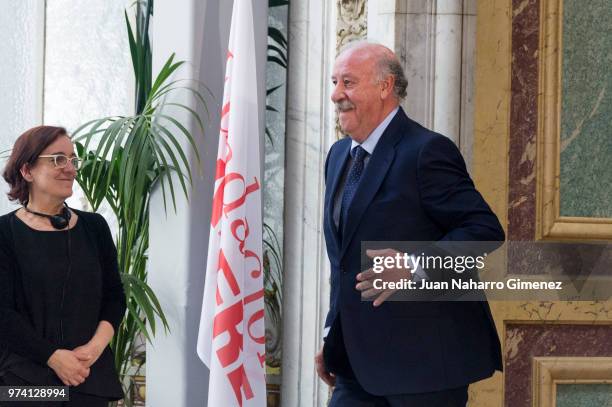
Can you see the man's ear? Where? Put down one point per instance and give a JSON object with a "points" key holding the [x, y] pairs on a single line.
{"points": [[386, 86], [26, 173]]}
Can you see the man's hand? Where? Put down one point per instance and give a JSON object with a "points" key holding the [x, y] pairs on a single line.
{"points": [[326, 376], [366, 278], [68, 367], [89, 353]]}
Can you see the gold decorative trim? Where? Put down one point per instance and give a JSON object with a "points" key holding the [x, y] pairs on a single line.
{"points": [[549, 224], [548, 372]]}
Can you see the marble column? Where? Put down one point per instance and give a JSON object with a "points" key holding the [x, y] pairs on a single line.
{"points": [[434, 40], [310, 132]]}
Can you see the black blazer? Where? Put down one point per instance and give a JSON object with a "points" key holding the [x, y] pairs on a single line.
{"points": [[33, 319], [414, 188]]}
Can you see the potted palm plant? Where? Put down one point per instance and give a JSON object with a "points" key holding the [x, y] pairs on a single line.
{"points": [[124, 159]]}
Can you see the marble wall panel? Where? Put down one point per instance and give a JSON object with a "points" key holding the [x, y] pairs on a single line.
{"points": [[501, 26], [586, 110], [584, 395], [522, 342], [586, 149], [523, 119]]}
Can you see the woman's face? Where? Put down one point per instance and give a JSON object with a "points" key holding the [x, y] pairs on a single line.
{"points": [[45, 179]]}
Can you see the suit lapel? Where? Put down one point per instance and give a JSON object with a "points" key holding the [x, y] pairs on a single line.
{"points": [[372, 178], [337, 165]]}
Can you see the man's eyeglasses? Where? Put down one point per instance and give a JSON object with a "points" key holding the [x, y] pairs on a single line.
{"points": [[61, 161]]}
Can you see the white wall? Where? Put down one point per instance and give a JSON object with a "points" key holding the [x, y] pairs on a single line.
{"points": [[22, 27], [62, 65], [198, 31], [88, 70]]}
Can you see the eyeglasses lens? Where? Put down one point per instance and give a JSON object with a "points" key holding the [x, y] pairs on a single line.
{"points": [[61, 161], [76, 163]]}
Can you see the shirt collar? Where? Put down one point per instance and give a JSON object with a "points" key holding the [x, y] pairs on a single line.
{"points": [[370, 143]]}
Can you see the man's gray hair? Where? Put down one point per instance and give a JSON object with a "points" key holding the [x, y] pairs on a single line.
{"points": [[387, 65], [391, 66]]}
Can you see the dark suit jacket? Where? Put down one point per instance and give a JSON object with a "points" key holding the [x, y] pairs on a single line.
{"points": [[414, 188]]}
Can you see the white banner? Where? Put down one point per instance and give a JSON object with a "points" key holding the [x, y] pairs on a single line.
{"points": [[231, 340]]}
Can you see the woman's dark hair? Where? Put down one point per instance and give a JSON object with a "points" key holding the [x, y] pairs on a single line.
{"points": [[26, 150]]}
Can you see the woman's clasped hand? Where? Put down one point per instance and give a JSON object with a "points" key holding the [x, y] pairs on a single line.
{"points": [[70, 366]]}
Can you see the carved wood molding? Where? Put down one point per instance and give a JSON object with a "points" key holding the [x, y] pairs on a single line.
{"points": [[351, 21]]}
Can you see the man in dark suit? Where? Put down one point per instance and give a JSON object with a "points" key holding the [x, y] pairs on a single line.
{"points": [[394, 180]]}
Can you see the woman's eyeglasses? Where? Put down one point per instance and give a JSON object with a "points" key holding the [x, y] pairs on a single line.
{"points": [[61, 161]]}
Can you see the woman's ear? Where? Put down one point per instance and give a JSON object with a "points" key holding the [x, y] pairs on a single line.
{"points": [[26, 173]]}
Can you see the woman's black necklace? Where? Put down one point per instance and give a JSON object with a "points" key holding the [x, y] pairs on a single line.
{"points": [[59, 221]]}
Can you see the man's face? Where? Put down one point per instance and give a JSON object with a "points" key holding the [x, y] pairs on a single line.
{"points": [[357, 94]]}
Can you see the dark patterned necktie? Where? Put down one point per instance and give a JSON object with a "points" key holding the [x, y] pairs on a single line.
{"points": [[352, 182]]}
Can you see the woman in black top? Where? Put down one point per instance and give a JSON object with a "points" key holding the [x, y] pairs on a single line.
{"points": [[61, 297]]}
